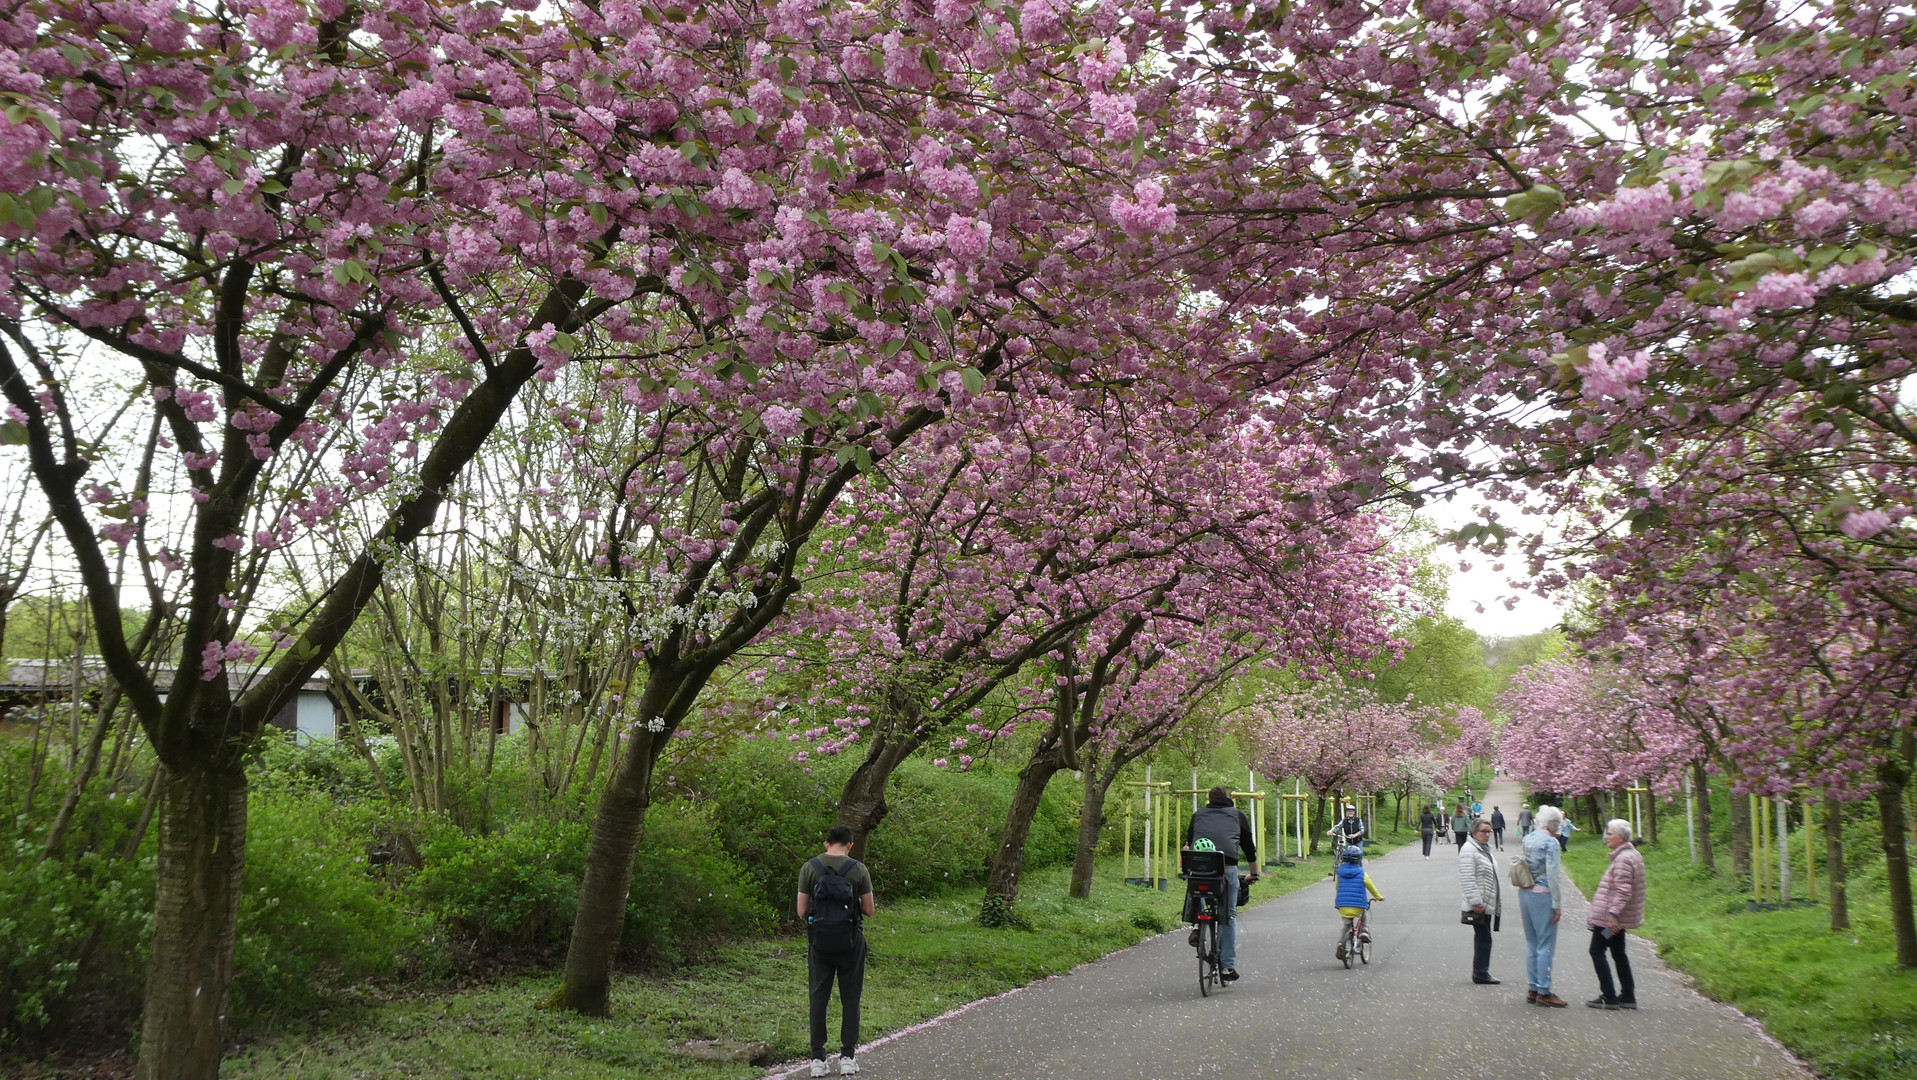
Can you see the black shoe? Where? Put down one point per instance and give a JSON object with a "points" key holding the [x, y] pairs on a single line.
{"points": [[1193, 939], [1485, 980], [1600, 1003], [1631, 1005], [1229, 975]]}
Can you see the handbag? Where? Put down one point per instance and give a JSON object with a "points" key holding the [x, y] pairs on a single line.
{"points": [[1474, 918], [1521, 875]]}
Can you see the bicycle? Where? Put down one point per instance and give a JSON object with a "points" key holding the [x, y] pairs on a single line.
{"points": [[1205, 908], [1356, 942]]}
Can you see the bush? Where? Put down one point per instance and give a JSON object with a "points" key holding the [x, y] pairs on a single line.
{"points": [[312, 919], [941, 830], [521, 886], [73, 938]]}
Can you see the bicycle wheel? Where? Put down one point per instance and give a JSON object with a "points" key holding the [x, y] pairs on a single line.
{"points": [[1351, 947], [1207, 935], [1364, 950]]}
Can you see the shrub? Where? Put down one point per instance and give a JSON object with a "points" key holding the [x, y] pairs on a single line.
{"points": [[72, 942], [516, 887], [312, 918], [521, 886], [941, 830]]}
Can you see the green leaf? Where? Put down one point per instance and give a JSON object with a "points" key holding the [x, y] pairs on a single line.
{"points": [[272, 187], [1804, 106], [943, 316], [891, 348], [974, 380], [597, 211], [13, 433]]}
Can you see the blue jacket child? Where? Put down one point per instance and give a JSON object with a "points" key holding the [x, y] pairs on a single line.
{"points": [[1355, 890]]}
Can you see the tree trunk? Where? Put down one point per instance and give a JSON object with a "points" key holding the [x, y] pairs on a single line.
{"points": [[600, 920], [1701, 787], [1834, 863], [1091, 823], [1740, 836], [1893, 775], [1032, 781], [195, 915], [862, 800], [1650, 810]]}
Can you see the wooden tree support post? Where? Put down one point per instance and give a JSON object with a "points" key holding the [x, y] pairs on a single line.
{"points": [[1810, 853], [1292, 808], [1157, 847]]}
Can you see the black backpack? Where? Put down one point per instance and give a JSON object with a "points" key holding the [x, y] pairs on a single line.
{"points": [[834, 921]]}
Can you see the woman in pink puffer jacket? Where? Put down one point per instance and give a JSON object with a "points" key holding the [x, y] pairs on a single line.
{"points": [[1617, 906]]}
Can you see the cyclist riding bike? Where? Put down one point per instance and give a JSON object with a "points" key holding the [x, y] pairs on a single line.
{"points": [[1230, 832], [1350, 829], [1355, 893]]}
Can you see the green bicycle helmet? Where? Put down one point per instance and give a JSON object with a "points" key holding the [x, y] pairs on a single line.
{"points": [[1202, 844]]}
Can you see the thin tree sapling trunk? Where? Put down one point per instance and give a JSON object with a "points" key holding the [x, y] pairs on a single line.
{"points": [[1834, 863]]}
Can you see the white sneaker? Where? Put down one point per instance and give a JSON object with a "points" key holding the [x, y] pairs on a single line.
{"points": [[848, 1066], [819, 1067]]}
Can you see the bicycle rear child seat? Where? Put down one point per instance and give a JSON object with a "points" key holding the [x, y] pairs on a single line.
{"points": [[1204, 873]]}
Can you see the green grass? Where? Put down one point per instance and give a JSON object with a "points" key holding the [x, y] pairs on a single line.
{"points": [[928, 956], [1836, 999]]}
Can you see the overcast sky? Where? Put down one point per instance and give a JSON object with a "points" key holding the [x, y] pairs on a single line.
{"points": [[1479, 595]]}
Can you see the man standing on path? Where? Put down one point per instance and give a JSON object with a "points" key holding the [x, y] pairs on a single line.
{"points": [[1350, 829], [1524, 820], [1497, 827], [835, 896], [1229, 830]]}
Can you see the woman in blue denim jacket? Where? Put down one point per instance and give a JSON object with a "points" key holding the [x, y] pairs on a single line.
{"points": [[1542, 904]]}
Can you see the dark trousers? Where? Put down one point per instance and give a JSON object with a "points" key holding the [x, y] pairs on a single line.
{"points": [[1458, 835], [1626, 990], [1497, 837], [1481, 948], [1427, 845], [850, 969]]}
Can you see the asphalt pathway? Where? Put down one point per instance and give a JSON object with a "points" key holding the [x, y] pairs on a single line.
{"points": [[1411, 1014]]}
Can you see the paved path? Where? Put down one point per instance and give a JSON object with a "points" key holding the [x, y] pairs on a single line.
{"points": [[1412, 1014]]}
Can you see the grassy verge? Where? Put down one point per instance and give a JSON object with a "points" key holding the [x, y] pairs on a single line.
{"points": [[928, 956], [1836, 999]]}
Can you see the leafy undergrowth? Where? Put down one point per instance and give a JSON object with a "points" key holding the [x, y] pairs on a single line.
{"points": [[1836, 999], [928, 956]]}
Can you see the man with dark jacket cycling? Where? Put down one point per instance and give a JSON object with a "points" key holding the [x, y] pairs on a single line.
{"points": [[1230, 832]]}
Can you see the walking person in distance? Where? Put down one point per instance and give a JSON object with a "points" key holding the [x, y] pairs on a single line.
{"points": [[835, 896], [1427, 827], [1460, 825], [1616, 906], [1542, 905], [1497, 827], [1525, 819], [1482, 900]]}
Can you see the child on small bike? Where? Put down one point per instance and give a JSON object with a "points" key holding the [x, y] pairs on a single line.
{"points": [[1355, 893]]}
